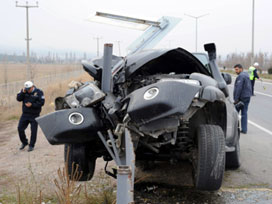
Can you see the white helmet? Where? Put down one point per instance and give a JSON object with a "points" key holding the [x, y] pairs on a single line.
{"points": [[256, 64], [28, 84]]}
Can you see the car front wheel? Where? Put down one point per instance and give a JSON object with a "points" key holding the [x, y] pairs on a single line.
{"points": [[77, 158], [209, 158]]}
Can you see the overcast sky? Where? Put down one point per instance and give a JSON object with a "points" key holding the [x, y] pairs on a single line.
{"points": [[60, 25]]}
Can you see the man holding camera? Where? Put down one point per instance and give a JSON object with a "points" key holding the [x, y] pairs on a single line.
{"points": [[32, 100], [241, 94]]}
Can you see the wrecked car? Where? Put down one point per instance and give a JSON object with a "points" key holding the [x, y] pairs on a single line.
{"points": [[175, 105]]}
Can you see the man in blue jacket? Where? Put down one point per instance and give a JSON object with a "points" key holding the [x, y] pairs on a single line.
{"points": [[32, 100], [241, 94]]}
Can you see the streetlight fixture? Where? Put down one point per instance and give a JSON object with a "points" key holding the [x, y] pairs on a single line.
{"points": [[252, 37], [154, 31], [196, 18]]}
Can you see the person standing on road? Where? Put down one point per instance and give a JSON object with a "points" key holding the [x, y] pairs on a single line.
{"points": [[32, 100], [241, 94], [253, 75]]}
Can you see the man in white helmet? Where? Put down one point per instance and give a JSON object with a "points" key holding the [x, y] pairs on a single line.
{"points": [[32, 100], [252, 71]]}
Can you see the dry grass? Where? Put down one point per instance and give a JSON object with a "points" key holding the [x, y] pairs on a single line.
{"points": [[17, 72], [50, 93], [62, 190]]}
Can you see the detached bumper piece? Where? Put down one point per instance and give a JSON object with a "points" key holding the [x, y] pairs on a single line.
{"points": [[70, 126]]}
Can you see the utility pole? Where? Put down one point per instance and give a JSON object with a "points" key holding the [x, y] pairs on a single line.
{"points": [[252, 39], [119, 47], [97, 43], [27, 34], [196, 18]]}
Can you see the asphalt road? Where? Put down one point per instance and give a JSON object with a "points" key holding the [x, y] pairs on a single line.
{"points": [[256, 145], [251, 183]]}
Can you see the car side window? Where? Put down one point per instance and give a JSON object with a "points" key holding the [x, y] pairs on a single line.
{"points": [[203, 58]]}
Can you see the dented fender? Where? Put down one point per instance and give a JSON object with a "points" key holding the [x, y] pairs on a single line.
{"points": [[212, 94], [173, 98]]}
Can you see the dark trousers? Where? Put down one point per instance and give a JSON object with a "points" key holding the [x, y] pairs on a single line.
{"points": [[252, 86], [244, 114], [23, 123]]}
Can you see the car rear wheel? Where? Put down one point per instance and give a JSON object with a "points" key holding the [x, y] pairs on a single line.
{"points": [[77, 155], [210, 158]]}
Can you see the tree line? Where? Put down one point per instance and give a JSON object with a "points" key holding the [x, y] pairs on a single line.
{"points": [[263, 58], [50, 58]]}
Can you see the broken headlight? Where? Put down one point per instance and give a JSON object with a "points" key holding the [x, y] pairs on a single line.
{"points": [[87, 94]]}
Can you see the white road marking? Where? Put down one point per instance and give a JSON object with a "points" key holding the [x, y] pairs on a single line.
{"points": [[258, 92], [260, 127], [262, 93], [257, 81], [264, 82]]}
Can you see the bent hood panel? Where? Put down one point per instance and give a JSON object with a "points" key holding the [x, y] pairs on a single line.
{"points": [[161, 59]]}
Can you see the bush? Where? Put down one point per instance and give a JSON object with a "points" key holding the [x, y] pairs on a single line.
{"points": [[270, 70]]}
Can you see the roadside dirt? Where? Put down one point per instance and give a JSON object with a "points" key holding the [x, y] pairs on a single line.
{"points": [[20, 167], [39, 169]]}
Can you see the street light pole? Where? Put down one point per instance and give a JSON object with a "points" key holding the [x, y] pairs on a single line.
{"points": [[119, 47], [26, 6], [196, 18], [252, 39], [97, 45], [196, 35]]}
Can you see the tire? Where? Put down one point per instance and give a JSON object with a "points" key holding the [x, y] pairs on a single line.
{"points": [[210, 162], [77, 155], [233, 158]]}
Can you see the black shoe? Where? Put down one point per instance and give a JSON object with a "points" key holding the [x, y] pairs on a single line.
{"points": [[30, 149], [23, 146], [243, 132]]}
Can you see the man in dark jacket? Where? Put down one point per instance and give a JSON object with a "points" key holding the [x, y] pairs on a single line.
{"points": [[32, 100], [241, 94]]}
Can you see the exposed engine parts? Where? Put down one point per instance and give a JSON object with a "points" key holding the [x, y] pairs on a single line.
{"points": [[158, 106]]}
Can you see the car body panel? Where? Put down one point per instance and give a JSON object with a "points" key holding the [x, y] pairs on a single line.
{"points": [[165, 61]]}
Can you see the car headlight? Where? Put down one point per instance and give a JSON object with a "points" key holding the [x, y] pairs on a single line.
{"points": [[86, 95], [151, 93], [76, 118]]}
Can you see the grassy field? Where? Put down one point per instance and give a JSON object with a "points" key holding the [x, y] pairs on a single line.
{"points": [[28, 191], [17, 72], [60, 190], [50, 93]]}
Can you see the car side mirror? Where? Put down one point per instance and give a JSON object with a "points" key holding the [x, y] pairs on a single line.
{"points": [[227, 78]]}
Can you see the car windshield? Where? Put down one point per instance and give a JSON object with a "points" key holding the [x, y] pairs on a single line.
{"points": [[203, 58]]}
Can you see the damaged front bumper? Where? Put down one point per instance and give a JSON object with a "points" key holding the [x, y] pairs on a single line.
{"points": [[66, 126]]}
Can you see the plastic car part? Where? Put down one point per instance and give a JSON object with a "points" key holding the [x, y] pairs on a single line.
{"points": [[86, 95], [233, 158], [58, 129]]}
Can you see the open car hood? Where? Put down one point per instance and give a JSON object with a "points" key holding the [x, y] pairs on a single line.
{"points": [[164, 61]]}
